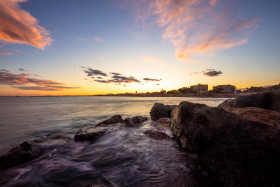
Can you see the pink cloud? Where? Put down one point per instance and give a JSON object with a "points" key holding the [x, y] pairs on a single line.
{"points": [[6, 53], [196, 27], [98, 40], [19, 26]]}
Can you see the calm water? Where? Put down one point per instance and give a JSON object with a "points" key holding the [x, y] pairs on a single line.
{"points": [[122, 157]]}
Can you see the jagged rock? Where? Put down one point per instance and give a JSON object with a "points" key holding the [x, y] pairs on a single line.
{"points": [[239, 151], [112, 120], [89, 134], [160, 110], [135, 121], [19, 155], [265, 100], [268, 117], [181, 117], [157, 135]]}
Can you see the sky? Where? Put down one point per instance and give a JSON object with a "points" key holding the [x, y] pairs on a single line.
{"points": [[71, 47]]}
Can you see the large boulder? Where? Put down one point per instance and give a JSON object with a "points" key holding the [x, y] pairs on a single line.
{"points": [[157, 135], [164, 122], [112, 120], [134, 121], [19, 155], [160, 110], [89, 134], [181, 117], [265, 100], [265, 116], [239, 151]]}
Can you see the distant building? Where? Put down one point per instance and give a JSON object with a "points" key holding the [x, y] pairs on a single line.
{"points": [[224, 88], [200, 88]]}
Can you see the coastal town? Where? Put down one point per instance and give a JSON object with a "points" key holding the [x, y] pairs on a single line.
{"points": [[202, 90]]}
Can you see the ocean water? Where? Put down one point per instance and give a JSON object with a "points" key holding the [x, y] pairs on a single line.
{"points": [[122, 157]]}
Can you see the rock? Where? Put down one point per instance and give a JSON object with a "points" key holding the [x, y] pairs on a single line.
{"points": [[181, 117], [268, 117], [18, 155], [164, 122], [160, 110], [89, 134], [93, 185], [112, 120], [265, 100], [135, 121], [239, 151], [157, 135]]}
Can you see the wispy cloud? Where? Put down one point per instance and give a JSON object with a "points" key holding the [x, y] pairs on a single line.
{"points": [[208, 72], [6, 53], [195, 27], [92, 72], [152, 59], [19, 26], [21, 69], [20, 80], [97, 40], [149, 79], [79, 39]]}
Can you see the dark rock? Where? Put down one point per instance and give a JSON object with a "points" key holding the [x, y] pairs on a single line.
{"points": [[135, 121], [112, 120], [164, 122], [265, 100], [18, 155], [268, 117], [89, 134], [157, 135], [160, 110], [181, 117], [93, 185], [240, 152]]}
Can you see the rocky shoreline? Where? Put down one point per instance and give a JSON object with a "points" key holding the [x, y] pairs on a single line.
{"points": [[239, 141]]}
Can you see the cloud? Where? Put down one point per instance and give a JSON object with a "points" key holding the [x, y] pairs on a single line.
{"points": [[152, 59], [20, 27], [212, 73], [91, 72], [148, 79], [113, 73], [6, 53], [21, 69], [195, 27], [119, 79], [20, 80], [98, 40]]}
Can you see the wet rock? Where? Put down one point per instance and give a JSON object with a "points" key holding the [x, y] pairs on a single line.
{"points": [[18, 155], [164, 122], [239, 151], [268, 117], [112, 120], [160, 110], [181, 117], [135, 121], [157, 135], [89, 134], [265, 100]]}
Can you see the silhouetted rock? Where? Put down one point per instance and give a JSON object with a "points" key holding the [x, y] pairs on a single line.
{"points": [[157, 135], [261, 115], [135, 121], [240, 152], [160, 110], [265, 100], [18, 155], [89, 134], [181, 117], [112, 120]]}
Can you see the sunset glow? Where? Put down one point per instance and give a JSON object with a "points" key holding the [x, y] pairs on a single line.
{"points": [[102, 47]]}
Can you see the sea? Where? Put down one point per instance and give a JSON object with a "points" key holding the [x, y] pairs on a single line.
{"points": [[122, 157]]}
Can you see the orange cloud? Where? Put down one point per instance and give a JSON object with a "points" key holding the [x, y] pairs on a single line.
{"points": [[196, 27], [20, 80], [18, 26], [6, 53]]}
